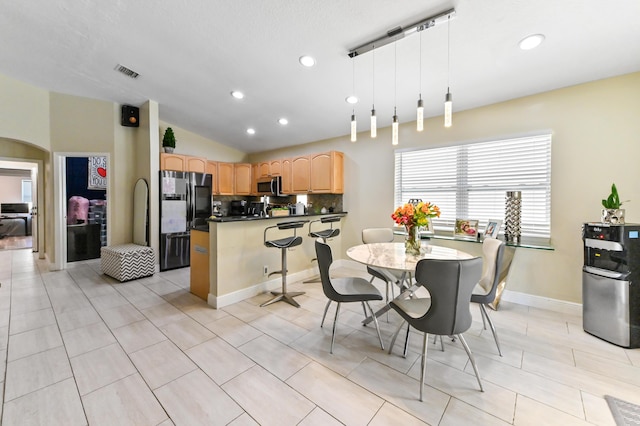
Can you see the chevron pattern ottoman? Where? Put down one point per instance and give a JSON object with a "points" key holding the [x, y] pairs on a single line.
{"points": [[127, 261]]}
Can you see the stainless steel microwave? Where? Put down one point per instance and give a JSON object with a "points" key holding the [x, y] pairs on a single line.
{"points": [[270, 186]]}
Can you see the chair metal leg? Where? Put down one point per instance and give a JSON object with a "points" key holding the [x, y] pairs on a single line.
{"points": [[326, 308], [406, 342], [333, 334], [472, 359], [423, 364], [493, 329], [484, 323], [395, 336], [441, 344], [375, 321], [364, 310]]}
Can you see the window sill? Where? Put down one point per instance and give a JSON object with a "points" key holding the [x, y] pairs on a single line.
{"points": [[530, 243]]}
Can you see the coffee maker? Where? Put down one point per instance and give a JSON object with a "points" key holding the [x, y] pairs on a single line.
{"points": [[217, 205]]}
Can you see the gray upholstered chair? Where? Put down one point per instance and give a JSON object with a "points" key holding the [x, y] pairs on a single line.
{"points": [[390, 277], [485, 291], [344, 290], [283, 244], [446, 312]]}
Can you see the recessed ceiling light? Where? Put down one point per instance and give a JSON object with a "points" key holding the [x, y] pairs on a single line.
{"points": [[307, 61], [353, 99], [531, 42], [251, 131], [236, 94], [283, 121]]}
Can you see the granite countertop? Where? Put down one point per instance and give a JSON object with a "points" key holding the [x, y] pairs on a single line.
{"points": [[223, 219]]}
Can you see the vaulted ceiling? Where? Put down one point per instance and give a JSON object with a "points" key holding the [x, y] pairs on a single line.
{"points": [[191, 54]]}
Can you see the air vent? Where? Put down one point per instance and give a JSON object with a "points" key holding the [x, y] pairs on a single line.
{"points": [[126, 71]]}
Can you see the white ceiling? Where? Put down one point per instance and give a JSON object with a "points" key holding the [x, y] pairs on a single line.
{"points": [[190, 54]]}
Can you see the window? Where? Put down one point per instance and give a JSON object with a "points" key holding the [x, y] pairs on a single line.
{"points": [[470, 181], [26, 191]]}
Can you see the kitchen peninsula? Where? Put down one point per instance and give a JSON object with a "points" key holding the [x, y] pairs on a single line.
{"points": [[228, 259]]}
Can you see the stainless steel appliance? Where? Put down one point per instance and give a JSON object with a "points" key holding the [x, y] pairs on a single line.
{"points": [[270, 186], [238, 208], [185, 202], [610, 283], [256, 208]]}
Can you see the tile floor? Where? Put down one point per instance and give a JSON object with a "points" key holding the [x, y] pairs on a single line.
{"points": [[80, 348]]}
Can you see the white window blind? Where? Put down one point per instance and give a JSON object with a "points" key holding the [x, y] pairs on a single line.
{"points": [[470, 181]]}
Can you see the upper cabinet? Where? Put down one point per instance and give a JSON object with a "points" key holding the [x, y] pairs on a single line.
{"points": [[270, 168], [242, 179], [225, 179], [212, 169], [174, 162], [300, 175], [321, 173], [196, 164], [327, 172], [286, 176]]}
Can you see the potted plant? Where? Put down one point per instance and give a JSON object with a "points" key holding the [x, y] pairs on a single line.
{"points": [[612, 213], [168, 140]]}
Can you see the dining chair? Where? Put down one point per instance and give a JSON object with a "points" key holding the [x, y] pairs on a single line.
{"points": [[383, 235], [446, 312], [484, 292], [344, 290]]}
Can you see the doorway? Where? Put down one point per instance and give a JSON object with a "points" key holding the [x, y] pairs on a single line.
{"points": [[80, 197], [18, 205]]}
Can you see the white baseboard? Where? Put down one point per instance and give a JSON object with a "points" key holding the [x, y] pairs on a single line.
{"points": [[249, 292], [274, 284], [540, 302]]}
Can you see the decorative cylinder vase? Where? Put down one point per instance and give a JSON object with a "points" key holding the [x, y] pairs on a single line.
{"points": [[513, 209], [412, 241], [613, 216]]}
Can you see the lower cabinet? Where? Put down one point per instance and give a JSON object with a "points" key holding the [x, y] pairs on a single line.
{"points": [[199, 284]]}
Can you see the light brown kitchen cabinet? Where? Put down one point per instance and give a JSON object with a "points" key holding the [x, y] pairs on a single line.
{"points": [[321, 173], [212, 169], [174, 162], [270, 168], [286, 176], [300, 175], [196, 164], [242, 176], [255, 175], [275, 168], [225, 178], [264, 169], [327, 173]]}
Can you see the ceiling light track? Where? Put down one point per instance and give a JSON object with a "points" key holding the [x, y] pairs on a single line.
{"points": [[398, 33]]}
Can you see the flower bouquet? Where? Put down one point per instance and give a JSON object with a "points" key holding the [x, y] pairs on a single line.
{"points": [[413, 217]]}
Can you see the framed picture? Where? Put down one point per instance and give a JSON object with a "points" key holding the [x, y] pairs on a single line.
{"points": [[466, 228], [492, 228]]}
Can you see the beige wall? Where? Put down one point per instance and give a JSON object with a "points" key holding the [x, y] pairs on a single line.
{"points": [[189, 143], [11, 189], [24, 112], [596, 141]]}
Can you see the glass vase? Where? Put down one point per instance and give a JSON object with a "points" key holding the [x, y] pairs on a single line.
{"points": [[412, 241]]}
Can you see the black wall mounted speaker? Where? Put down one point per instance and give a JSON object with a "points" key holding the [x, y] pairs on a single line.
{"points": [[130, 116]]}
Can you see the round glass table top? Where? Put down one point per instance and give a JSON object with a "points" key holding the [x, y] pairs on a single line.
{"points": [[393, 256]]}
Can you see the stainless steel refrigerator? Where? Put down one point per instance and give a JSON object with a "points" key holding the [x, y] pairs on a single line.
{"points": [[185, 202]]}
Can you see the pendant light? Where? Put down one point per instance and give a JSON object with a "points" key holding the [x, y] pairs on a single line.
{"points": [[420, 109], [448, 101], [354, 131], [374, 121], [394, 123]]}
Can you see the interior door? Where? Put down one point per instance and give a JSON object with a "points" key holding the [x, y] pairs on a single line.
{"points": [[34, 210]]}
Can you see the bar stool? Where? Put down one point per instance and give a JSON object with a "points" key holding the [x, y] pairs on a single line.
{"points": [[283, 244], [325, 234]]}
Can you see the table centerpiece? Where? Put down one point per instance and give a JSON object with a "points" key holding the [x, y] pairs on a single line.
{"points": [[414, 216]]}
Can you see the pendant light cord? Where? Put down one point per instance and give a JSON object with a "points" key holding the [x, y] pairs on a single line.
{"points": [[420, 68], [395, 75], [448, 50], [373, 78]]}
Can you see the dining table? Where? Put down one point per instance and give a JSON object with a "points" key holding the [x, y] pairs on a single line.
{"points": [[392, 256]]}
